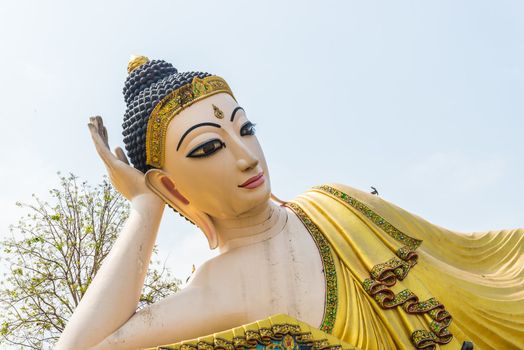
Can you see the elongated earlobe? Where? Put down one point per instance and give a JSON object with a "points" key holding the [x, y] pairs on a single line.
{"points": [[161, 183]]}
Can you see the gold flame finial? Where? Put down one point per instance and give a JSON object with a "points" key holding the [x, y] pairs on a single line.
{"points": [[135, 62]]}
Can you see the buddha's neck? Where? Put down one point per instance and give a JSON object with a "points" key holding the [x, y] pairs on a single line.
{"points": [[260, 223]]}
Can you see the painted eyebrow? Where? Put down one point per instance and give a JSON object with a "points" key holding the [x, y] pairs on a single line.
{"points": [[193, 128], [234, 112]]}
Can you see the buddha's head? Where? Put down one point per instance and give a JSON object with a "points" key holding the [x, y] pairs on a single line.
{"points": [[194, 142]]}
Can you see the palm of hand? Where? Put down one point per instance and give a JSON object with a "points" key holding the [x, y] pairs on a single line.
{"points": [[127, 180]]}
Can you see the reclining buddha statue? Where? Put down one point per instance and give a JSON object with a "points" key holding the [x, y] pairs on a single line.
{"points": [[333, 268]]}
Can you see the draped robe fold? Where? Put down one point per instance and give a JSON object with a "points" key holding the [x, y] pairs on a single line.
{"points": [[394, 280]]}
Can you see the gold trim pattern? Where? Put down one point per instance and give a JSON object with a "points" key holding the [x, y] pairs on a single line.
{"points": [[390, 271], [330, 273], [438, 333], [173, 104], [287, 333], [407, 254], [378, 220], [423, 339], [429, 306]]}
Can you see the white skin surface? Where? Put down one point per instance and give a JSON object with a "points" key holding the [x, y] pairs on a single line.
{"points": [[281, 273]]}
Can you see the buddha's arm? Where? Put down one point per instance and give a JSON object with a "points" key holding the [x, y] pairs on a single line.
{"points": [[203, 307], [113, 296]]}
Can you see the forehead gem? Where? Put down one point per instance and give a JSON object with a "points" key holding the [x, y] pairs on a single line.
{"points": [[218, 112]]}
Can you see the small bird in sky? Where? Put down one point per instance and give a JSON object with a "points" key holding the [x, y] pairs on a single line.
{"points": [[375, 192]]}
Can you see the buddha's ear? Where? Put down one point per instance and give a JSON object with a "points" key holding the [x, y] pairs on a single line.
{"points": [[163, 185]]}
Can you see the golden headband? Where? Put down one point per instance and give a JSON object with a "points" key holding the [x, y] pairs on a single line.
{"points": [[170, 106]]}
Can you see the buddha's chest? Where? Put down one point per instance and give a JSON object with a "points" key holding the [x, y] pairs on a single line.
{"points": [[282, 275]]}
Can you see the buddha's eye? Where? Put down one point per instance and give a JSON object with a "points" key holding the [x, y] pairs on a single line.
{"points": [[206, 149], [247, 129]]}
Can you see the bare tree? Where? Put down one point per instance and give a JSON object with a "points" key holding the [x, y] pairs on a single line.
{"points": [[53, 254]]}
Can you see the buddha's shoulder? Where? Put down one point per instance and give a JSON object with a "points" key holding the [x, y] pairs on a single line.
{"points": [[346, 192], [368, 203], [371, 205]]}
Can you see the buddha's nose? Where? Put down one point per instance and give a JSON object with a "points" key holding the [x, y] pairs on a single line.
{"points": [[247, 160]]}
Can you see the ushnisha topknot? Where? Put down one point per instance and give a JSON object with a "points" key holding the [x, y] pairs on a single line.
{"points": [[148, 82], [135, 62]]}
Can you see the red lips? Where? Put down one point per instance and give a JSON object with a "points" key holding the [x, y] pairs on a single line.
{"points": [[254, 181]]}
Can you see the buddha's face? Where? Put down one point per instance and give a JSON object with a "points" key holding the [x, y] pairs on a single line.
{"points": [[217, 163]]}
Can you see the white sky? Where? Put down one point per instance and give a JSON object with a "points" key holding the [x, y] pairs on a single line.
{"points": [[421, 99]]}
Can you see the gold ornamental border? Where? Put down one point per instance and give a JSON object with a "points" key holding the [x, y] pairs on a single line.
{"points": [[292, 333], [328, 264]]}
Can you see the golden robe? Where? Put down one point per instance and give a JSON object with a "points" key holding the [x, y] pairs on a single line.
{"points": [[394, 280]]}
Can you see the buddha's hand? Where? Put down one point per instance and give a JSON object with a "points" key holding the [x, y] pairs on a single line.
{"points": [[127, 180]]}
